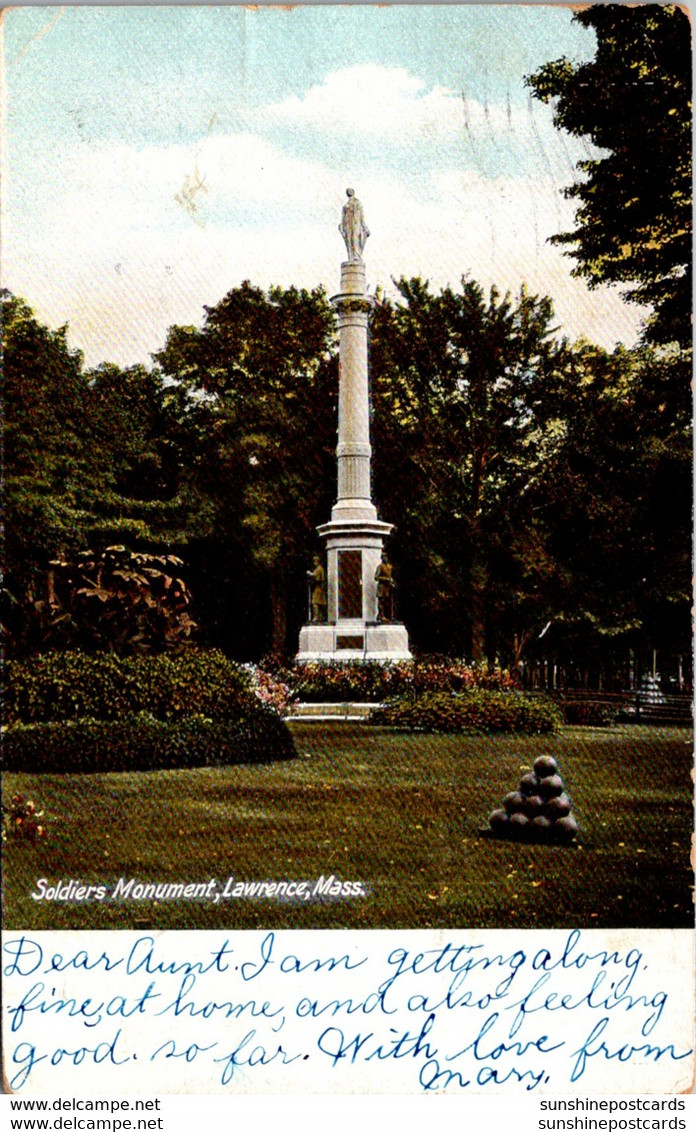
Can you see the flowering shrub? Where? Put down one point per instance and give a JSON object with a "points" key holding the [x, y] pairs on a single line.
{"points": [[476, 709], [334, 682], [20, 820], [373, 682], [273, 693], [440, 674]]}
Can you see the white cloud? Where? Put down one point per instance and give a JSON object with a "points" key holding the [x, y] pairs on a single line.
{"points": [[134, 240], [387, 103]]}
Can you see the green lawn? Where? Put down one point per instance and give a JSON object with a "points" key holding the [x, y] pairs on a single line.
{"points": [[401, 813]]}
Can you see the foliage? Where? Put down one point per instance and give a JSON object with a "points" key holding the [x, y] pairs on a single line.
{"points": [[20, 820], [91, 459], [541, 493], [616, 501], [262, 374], [70, 685], [633, 220], [142, 742], [459, 380], [118, 600], [473, 710], [339, 681], [372, 682]]}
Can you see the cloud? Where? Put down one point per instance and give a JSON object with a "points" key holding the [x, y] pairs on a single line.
{"points": [[496, 230], [124, 241], [387, 103]]}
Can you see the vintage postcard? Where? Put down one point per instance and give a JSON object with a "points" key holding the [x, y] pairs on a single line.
{"points": [[347, 742]]}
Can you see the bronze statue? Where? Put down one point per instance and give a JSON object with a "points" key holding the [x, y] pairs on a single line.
{"points": [[353, 227], [317, 591], [385, 591]]}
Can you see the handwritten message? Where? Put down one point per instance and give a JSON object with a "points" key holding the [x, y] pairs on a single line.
{"points": [[418, 1012]]}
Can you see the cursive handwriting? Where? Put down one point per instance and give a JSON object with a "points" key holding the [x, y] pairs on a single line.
{"points": [[345, 1010]]}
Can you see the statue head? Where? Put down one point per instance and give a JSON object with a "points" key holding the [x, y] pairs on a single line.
{"points": [[350, 192]]}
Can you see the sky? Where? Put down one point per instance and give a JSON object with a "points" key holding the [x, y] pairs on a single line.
{"points": [[156, 157]]}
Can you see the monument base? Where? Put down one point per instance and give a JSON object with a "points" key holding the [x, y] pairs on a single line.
{"points": [[354, 640]]}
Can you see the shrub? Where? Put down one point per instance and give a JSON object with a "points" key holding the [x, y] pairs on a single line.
{"points": [[140, 742], [588, 713], [374, 682], [477, 709], [115, 599], [63, 686]]}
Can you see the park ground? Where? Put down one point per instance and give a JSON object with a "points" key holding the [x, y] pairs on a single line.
{"points": [[403, 814]]}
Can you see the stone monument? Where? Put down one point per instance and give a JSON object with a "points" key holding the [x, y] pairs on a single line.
{"points": [[358, 622]]}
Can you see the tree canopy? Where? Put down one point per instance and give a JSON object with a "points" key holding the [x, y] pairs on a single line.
{"points": [[92, 458], [262, 373], [633, 100], [540, 491], [458, 379]]}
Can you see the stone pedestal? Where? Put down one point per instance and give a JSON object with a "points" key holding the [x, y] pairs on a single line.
{"points": [[354, 536], [354, 641]]}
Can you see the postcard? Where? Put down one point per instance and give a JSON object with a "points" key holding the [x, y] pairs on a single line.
{"points": [[348, 738]]}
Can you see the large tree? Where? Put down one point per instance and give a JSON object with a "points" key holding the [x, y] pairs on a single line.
{"points": [[91, 459], [262, 372], [458, 380], [633, 100], [541, 491], [615, 500]]}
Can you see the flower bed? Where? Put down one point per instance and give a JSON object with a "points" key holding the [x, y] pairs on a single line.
{"points": [[372, 682]]}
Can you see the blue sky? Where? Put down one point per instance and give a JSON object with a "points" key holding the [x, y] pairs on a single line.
{"points": [[156, 157]]}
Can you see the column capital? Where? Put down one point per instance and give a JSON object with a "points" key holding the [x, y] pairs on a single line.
{"points": [[350, 303]]}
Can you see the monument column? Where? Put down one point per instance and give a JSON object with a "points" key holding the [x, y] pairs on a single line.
{"points": [[354, 452], [354, 536]]}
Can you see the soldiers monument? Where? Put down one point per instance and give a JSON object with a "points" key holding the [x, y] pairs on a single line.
{"points": [[359, 603]]}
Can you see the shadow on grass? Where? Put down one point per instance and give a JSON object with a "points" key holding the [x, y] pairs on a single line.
{"points": [[399, 813]]}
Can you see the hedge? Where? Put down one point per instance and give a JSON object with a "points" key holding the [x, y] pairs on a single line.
{"points": [[73, 685], [140, 742], [588, 713], [477, 709]]}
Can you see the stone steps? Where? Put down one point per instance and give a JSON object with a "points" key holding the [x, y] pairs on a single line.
{"points": [[318, 713]]}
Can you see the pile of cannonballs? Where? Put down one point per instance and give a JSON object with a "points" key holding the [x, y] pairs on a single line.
{"points": [[540, 810]]}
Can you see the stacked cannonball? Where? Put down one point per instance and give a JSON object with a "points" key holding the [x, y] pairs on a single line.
{"points": [[539, 810]]}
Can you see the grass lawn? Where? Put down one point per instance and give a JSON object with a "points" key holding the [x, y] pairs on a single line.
{"points": [[400, 812]]}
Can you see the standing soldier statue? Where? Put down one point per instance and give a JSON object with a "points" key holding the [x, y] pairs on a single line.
{"points": [[317, 592], [385, 591]]}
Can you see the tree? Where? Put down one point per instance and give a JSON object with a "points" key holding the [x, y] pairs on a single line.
{"points": [[262, 372], [51, 466], [458, 383], [91, 459], [633, 219], [616, 504], [541, 491]]}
